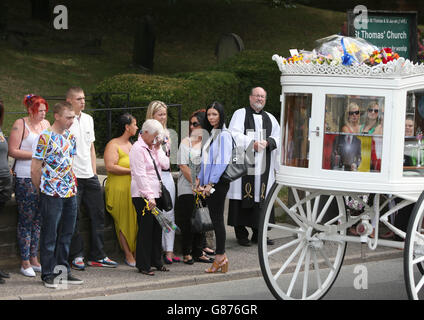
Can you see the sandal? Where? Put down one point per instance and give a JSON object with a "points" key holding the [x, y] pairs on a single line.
{"points": [[209, 251], [188, 260], [204, 259], [147, 273], [162, 269], [218, 266]]}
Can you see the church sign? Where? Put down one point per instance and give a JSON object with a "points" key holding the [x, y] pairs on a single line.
{"points": [[386, 29]]}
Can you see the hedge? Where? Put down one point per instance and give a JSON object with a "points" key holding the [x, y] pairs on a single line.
{"points": [[229, 83], [256, 68], [192, 90]]}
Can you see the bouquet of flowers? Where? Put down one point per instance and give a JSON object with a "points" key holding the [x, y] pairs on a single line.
{"points": [[347, 51], [166, 224], [383, 56]]}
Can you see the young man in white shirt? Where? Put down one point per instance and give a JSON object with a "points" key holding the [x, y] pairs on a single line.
{"points": [[89, 189]]}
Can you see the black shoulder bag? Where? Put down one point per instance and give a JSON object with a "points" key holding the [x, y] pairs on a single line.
{"points": [[166, 196]]}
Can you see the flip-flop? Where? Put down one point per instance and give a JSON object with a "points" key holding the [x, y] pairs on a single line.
{"points": [[211, 252], [147, 273], [204, 260]]}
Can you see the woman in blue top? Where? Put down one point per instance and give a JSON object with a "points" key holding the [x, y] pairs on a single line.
{"points": [[216, 155]]}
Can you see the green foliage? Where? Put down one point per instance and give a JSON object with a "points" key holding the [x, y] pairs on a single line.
{"points": [[256, 69], [193, 90]]}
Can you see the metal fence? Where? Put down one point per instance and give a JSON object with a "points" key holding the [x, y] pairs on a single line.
{"points": [[104, 100]]}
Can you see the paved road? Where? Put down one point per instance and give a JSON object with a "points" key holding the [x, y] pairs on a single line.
{"points": [[385, 282]]}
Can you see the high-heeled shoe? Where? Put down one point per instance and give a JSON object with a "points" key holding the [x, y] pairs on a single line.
{"points": [[216, 266]]}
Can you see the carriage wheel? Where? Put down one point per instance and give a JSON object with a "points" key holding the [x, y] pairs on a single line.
{"points": [[303, 262], [414, 252]]}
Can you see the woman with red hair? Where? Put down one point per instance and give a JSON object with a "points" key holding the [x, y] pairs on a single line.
{"points": [[22, 136]]}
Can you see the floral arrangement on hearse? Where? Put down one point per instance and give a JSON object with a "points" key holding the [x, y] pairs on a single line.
{"points": [[341, 50]]}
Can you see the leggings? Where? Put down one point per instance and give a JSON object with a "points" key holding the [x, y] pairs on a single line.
{"points": [[192, 243], [216, 203], [29, 218]]}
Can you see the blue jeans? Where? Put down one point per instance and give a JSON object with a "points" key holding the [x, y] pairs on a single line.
{"points": [[90, 195], [58, 222]]}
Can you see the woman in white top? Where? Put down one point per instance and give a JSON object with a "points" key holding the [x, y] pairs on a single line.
{"points": [[189, 157], [24, 133], [158, 110]]}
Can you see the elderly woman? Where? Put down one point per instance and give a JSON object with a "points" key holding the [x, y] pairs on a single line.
{"points": [[24, 133], [158, 110], [145, 154]]}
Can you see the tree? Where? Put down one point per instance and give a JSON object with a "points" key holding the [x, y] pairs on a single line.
{"points": [[41, 10]]}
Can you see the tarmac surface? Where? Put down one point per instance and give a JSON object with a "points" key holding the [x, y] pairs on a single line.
{"points": [[244, 263]]}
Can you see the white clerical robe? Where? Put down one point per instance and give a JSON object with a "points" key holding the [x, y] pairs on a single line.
{"points": [[237, 129]]}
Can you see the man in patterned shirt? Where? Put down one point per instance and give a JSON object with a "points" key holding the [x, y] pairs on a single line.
{"points": [[52, 175]]}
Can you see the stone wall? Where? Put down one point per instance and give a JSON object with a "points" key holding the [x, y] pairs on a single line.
{"points": [[9, 249]]}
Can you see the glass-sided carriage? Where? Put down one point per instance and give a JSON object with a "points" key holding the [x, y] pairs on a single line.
{"points": [[333, 175]]}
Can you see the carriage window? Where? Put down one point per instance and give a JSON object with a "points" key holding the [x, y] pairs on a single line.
{"points": [[297, 111], [353, 138], [413, 159]]}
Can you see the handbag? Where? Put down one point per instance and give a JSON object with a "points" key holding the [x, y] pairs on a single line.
{"points": [[238, 166], [14, 163], [166, 196], [201, 219]]}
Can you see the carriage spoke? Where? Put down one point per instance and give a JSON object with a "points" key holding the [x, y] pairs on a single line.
{"points": [[285, 228], [418, 260], [306, 274], [288, 261], [296, 272], [324, 210], [308, 207], [332, 221], [315, 210], [316, 268], [300, 207], [290, 213], [327, 260], [420, 284], [283, 247]]}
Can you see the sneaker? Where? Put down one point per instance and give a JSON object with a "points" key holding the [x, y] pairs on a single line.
{"points": [[28, 272], [105, 262], [78, 263], [36, 268], [49, 282], [71, 280]]}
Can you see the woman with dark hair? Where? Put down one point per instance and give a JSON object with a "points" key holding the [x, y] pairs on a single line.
{"points": [[216, 155], [189, 163], [24, 134], [118, 187], [5, 176]]}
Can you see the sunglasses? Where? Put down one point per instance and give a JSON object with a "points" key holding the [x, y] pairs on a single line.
{"points": [[351, 113], [195, 124], [373, 110]]}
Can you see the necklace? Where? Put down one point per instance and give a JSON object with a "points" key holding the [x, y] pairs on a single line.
{"points": [[38, 128]]}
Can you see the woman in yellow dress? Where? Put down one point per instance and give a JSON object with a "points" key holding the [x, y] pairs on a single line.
{"points": [[118, 187]]}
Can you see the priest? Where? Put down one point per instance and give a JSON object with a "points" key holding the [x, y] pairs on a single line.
{"points": [[258, 132]]}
